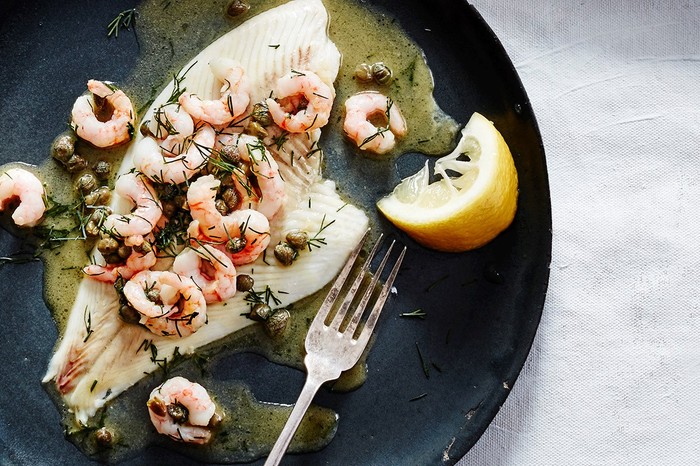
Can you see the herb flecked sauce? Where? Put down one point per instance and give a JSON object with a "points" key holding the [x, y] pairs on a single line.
{"points": [[250, 427]]}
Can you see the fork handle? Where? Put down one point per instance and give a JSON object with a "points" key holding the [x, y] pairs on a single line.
{"points": [[307, 394]]}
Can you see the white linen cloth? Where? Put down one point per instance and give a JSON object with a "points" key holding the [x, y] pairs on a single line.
{"points": [[612, 378]]}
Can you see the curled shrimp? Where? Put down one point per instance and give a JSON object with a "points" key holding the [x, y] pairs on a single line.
{"points": [[303, 102], [360, 109], [172, 125], [210, 269], [235, 95], [145, 215], [265, 192], [135, 263], [169, 304], [178, 165], [17, 183], [182, 410], [105, 118], [243, 234]]}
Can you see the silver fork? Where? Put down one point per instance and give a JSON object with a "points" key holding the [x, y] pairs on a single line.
{"points": [[330, 351]]}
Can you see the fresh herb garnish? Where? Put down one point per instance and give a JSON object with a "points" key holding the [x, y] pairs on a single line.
{"points": [[420, 313], [317, 241], [124, 20]]}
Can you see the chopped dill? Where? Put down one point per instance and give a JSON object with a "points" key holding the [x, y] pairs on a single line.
{"points": [[426, 368], [123, 20], [317, 241], [420, 313]]}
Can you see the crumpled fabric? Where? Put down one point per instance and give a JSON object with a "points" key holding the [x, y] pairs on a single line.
{"points": [[612, 378]]}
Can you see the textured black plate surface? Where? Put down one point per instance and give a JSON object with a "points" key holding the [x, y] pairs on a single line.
{"points": [[483, 307]]}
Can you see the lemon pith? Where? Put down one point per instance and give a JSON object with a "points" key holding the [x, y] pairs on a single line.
{"points": [[473, 201]]}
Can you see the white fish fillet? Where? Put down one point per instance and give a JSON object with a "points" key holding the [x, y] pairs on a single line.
{"points": [[93, 367]]}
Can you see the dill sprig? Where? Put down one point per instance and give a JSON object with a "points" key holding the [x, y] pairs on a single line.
{"points": [[317, 241], [265, 297], [384, 129], [123, 20], [419, 313]]}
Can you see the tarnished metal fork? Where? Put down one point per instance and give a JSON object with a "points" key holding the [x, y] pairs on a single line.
{"points": [[330, 351]]}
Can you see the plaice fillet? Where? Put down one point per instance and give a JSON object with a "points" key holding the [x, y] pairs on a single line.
{"points": [[99, 356]]}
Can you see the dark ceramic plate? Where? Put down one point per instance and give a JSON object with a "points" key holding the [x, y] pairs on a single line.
{"points": [[483, 306]]}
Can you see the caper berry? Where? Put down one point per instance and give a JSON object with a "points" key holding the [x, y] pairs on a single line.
{"points": [[100, 196], [63, 147], [277, 323], [244, 282], [381, 73], [128, 314], [104, 437], [76, 164], [285, 253], [260, 312], [237, 8], [297, 239], [107, 246], [256, 129], [230, 197], [178, 413], [102, 169], [261, 114], [124, 251], [86, 183], [235, 245], [230, 153], [363, 73], [99, 215]]}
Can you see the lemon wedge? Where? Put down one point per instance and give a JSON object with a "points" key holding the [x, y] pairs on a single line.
{"points": [[472, 201]]}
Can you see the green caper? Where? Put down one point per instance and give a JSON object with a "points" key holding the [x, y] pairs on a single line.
{"points": [[113, 258], [124, 251], [128, 314], [256, 129], [178, 413], [104, 437], [100, 196], [153, 294], [99, 215], [169, 208], [91, 228], [215, 421], [260, 312], [76, 164], [230, 197], [230, 153], [277, 323], [235, 245], [363, 73], [102, 169], [237, 8], [86, 183], [145, 129], [143, 248], [381, 73], [261, 114], [221, 206], [107, 246], [285, 253], [63, 147], [244, 282], [297, 239]]}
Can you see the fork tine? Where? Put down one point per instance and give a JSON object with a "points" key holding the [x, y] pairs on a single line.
{"points": [[340, 281], [345, 305], [379, 305], [368, 293]]}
